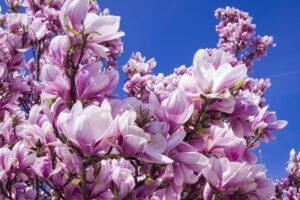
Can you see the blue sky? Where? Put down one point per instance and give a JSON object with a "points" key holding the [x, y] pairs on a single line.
{"points": [[171, 31]]}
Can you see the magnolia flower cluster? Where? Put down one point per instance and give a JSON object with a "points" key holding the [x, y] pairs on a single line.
{"points": [[237, 35], [64, 134], [288, 188]]}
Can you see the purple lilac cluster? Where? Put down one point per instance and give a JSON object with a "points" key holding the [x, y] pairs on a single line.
{"points": [[65, 135]]}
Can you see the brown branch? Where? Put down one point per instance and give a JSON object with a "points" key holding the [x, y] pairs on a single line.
{"points": [[83, 184]]}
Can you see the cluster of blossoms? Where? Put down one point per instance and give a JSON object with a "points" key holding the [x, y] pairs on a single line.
{"points": [[65, 135], [289, 188], [237, 36]]}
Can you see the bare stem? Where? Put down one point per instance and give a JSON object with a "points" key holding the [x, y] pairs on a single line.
{"points": [[74, 68], [83, 184], [37, 188]]}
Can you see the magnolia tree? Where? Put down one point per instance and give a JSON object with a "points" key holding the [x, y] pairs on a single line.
{"points": [[289, 188], [65, 135]]}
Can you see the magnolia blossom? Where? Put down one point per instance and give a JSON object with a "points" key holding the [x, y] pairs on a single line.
{"points": [[92, 83], [267, 122], [176, 109], [89, 128], [134, 141], [43, 167], [55, 82], [75, 17], [287, 187], [58, 50], [65, 134], [122, 176], [213, 76], [6, 161], [233, 179]]}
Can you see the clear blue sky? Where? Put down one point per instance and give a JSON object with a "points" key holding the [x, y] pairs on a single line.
{"points": [[172, 31]]}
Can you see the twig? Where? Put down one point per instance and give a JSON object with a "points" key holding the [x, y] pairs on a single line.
{"points": [[83, 184], [37, 188]]}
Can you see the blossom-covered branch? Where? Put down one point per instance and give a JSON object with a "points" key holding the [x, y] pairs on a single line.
{"points": [[64, 134]]}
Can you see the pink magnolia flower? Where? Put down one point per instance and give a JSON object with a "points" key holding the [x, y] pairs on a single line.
{"points": [[6, 163], [267, 122], [58, 50], [210, 79], [188, 163], [213, 80], [24, 157], [3, 71], [235, 178], [138, 64], [7, 131], [55, 82], [91, 82], [294, 164], [15, 22], [38, 28], [134, 141], [32, 134], [175, 109], [43, 167], [221, 141], [90, 127], [70, 162], [122, 176], [99, 186], [74, 15]]}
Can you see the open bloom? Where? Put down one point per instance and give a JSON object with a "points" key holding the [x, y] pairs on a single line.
{"points": [[43, 167], [134, 141], [6, 162], [75, 17], [221, 141], [122, 176], [55, 82], [175, 109], [235, 178], [92, 83], [188, 163], [89, 127], [212, 76], [267, 122], [58, 50], [24, 158]]}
